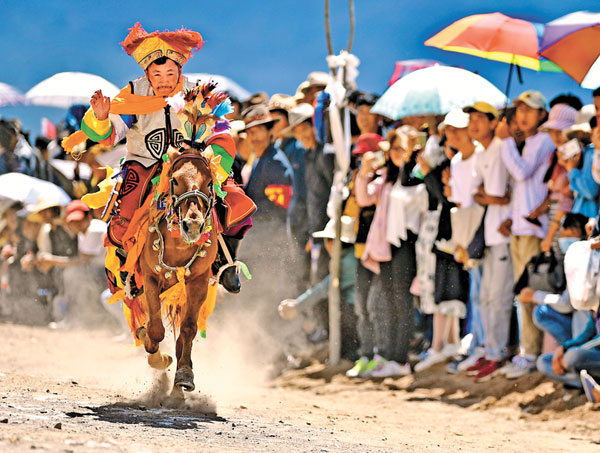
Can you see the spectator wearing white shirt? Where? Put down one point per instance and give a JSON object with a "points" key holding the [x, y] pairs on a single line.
{"points": [[462, 186], [528, 226], [451, 280], [492, 191]]}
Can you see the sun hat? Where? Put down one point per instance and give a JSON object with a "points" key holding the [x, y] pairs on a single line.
{"points": [[456, 118], [42, 204], [348, 235], [256, 115], [482, 107], [281, 101], [561, 117], [532, 98], [237, 127], [298, 115], [316, 79]]}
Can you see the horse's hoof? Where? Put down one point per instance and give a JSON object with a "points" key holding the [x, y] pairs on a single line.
{"points": [[184, 378], [160, 361], [141, 333]]}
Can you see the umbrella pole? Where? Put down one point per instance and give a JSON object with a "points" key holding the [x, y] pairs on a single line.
{"points": [[507, 91]]}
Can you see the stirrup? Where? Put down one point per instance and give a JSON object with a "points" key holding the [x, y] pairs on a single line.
{"points": [[129, 285]]}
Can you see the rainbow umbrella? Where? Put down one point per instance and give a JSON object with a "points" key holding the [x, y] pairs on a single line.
{"points": [[573, 43], [404, 67], [496, 37]]}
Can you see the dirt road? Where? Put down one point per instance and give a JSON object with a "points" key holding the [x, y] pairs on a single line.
{"points": [[82, 391]]}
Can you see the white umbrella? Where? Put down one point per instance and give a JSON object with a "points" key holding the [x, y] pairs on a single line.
{"points": [[29, 190], [223, 84], [67, 88], [9, 95], [436, 90]]}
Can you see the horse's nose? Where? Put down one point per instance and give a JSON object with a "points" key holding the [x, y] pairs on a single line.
{"points": [[194, 213]]}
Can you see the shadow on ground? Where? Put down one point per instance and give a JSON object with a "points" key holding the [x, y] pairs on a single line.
{"points": [[154, 418]]}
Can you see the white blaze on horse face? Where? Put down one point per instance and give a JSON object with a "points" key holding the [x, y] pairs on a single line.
{"points": [[189, 179], [192, 222]]}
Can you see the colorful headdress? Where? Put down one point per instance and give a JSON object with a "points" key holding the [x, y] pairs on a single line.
{"points": [[147, 47], [201, 111]]}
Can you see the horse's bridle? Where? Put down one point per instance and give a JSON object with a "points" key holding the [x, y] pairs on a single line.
{"points": [[207, 200]]}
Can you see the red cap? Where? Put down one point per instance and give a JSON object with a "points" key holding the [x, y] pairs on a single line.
{"points": [[76, 210], [367, 142]]}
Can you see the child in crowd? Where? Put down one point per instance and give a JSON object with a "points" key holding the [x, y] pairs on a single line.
{"points": [[492, 181], [528, 228], [451, 280]]}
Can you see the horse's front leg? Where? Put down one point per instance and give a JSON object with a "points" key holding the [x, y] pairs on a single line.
{"points": [[196, 293], [154, 331]]}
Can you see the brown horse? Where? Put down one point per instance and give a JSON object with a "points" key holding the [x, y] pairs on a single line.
{"points": [[191, 196]]}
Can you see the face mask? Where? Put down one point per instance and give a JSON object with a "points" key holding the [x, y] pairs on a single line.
{"points": [[564, 243]]}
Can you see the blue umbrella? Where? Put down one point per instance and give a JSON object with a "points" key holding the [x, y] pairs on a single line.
{"points": [[436, 90]]}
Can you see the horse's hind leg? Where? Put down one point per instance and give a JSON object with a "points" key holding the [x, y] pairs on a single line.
{"points": [[154, 332]]}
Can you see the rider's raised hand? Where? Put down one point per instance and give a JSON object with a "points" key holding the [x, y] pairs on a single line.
{"points": [[100, 104]]}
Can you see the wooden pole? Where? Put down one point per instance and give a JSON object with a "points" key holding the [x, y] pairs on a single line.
{"points": [[328, 34], [335, 317]]}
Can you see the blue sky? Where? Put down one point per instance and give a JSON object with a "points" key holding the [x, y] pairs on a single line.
{"points": [[268, 45]]}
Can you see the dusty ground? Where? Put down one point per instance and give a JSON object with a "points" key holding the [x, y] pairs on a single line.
{"points": [[82, 391]]}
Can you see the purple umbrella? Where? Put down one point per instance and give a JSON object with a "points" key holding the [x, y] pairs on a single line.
{"points": [[9, 95], [407, 66]]}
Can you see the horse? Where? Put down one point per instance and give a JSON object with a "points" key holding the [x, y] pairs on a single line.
{"points": [[167, 260]]}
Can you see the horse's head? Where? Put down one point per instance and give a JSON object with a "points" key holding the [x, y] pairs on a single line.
{"points": [[192, 192]]}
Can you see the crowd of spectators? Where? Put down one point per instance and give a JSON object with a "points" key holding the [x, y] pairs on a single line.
{"points": [[455, 230]]}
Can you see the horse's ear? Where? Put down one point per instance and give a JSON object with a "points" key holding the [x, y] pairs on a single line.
{"points": [[208, 153], [173, 154]]}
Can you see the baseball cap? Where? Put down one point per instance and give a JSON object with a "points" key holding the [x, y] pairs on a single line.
{"points": [[76, 210], [367, 142], [456, 118], [532, 98], [482, 107]]}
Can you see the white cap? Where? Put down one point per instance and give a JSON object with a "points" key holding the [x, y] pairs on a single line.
{"points": [[456, 118]]}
